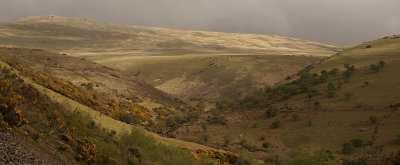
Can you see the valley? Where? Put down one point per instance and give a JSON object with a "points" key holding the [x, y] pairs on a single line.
{"points": [[82, 91], [199, 63]]}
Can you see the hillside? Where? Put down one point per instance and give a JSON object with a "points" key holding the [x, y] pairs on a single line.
{"points": [[345, 116], [42, 122], [92, 76], [188, 64], [386, 49]]}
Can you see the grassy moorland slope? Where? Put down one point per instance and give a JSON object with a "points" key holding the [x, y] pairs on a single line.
{"points": [[202, 64], [386, 49], [89, 75], [72, 133], [322, 111]]}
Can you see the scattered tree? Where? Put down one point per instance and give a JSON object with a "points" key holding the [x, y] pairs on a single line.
{"points": [[377, 67], [373, 119]]}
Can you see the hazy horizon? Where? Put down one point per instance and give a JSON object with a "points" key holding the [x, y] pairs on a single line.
{"points": [[338, 22]]}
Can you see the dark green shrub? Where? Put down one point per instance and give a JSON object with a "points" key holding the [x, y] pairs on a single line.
{"points": [[357, 142], [266, 145], [348, 148], [201, 105], [272, 111], [333, 71], [262, 138], [316, 103], [126, 118], [381, 64], [373, 119], [377, 67]]}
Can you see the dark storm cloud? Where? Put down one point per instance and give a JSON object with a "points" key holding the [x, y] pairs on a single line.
{"points": [[344, 22]]}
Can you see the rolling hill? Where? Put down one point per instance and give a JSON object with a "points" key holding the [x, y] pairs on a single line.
{"points": [[322, 110], [187, 64]]}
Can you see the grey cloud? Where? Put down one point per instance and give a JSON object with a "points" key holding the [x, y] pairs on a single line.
{"points": [[344, 22]]}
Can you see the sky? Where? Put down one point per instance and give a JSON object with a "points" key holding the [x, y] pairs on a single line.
{"points": [[341, 22]]}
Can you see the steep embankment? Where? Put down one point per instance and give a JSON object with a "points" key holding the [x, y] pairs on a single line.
{"points": [[188, 64]]}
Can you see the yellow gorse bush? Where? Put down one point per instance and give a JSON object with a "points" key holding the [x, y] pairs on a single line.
{"points": [[107, 106]]}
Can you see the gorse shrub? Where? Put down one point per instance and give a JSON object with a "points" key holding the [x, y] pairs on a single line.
{"points": [[107, 106], [10, 114]]}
